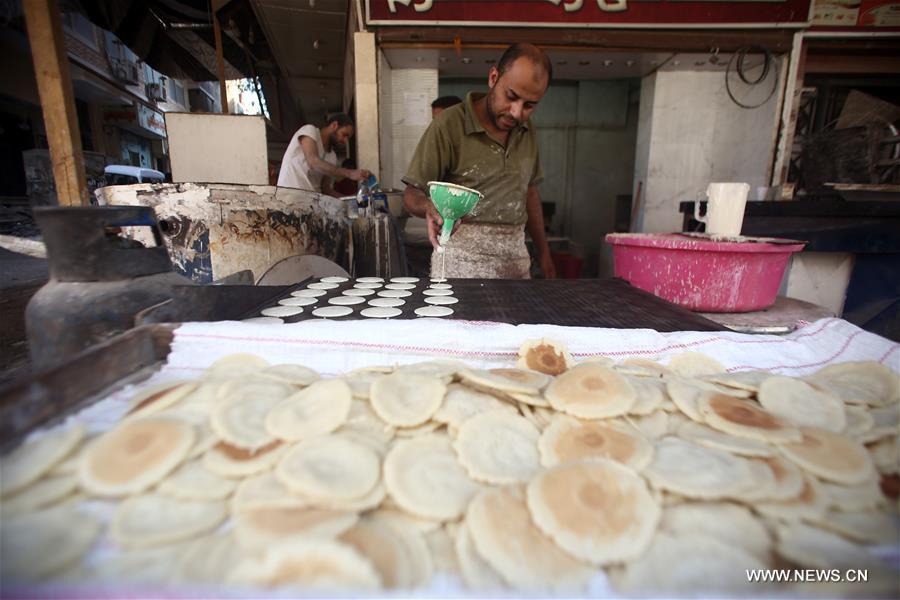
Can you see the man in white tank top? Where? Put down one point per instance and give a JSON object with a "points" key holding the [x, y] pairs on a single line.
{"points": [[310, 162]]}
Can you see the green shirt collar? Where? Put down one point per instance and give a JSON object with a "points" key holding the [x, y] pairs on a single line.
{"points": [[472, 123]]}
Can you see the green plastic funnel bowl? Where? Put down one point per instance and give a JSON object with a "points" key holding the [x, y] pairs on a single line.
{"points": [[452, 202]]}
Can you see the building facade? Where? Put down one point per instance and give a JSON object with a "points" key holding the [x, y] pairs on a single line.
{"points": [[120, 102]]}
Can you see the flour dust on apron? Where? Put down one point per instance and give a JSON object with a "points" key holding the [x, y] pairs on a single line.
{"points": [[483, 251]]}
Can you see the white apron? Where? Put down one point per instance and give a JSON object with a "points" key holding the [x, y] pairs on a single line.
{"points": [[484, 251]]}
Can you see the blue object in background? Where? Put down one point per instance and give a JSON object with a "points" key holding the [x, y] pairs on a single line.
{"points": [[370, 192]]}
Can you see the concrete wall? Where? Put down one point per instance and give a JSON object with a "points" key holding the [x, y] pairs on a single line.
{"points": [[366, 84], [385, 120], [408, 88], [690, 133]]}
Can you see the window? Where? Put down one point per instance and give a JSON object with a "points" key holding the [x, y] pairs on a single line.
{"points": [[148, 74], [84, 125], [204, 97], [200, 101], [176, 92], [118, 179], [83, 29]]}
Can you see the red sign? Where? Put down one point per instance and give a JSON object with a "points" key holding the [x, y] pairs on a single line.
{"points": [[856, 15], [879, 13], [835, 13], [138, 119], [591, 13]]}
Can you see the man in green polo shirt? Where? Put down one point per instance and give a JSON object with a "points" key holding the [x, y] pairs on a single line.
{"points": [[487, 143]]}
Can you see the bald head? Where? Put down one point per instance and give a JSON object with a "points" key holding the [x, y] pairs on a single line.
{"points": [[530, 52], [516, 85]]}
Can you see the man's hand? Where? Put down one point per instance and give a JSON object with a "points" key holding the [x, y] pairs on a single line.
{"points": [[547, 266], [357, 174], [433, 222], [535, 227], [418, 204]]}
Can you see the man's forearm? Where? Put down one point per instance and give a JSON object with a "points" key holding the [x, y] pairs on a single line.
{"points": [[415, 201], [326, 168], [535, 223]]}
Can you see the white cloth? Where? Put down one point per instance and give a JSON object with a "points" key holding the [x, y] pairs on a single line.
{"points": [[333, 347], [295, 170]]}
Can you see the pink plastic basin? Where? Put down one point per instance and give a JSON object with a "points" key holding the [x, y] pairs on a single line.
{"points": [[701, 274]]}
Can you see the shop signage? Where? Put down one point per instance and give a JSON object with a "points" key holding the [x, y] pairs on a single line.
{"points": [[151, 120], [138, 119], [856, 13], [880, 13], [120, 115], [835, 13], [591, 13]]}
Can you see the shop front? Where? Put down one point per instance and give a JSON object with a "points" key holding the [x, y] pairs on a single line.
{"points": [[141, 132], [650, 101]]}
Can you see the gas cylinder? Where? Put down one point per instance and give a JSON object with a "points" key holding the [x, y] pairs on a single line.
{"points": [[99, 279]]}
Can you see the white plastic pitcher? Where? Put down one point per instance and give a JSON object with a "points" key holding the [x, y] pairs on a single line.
{"points": [[724, 208]]}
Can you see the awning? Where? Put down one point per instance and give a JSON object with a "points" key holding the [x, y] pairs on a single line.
{"points": [[175, 37], [296, 48]]}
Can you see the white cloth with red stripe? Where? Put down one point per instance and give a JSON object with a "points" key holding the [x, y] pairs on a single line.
{"points": [[334, 347]]}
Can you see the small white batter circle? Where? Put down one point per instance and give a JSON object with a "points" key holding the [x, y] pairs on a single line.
{"points": [[308, 293], [370, 279], [434, 311], [358, 292], [438, 279], [281, 311], [367, 285], [404, 279], [441, 300], [322, 286], [346, 300], [437, 292], [331, 312], [297, 301], [400, 286], [334, 279], [441, 286], [381, 312], [387, 302], [395, 294]]}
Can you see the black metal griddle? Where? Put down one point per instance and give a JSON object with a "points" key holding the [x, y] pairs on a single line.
{"points": [[54, 392], [609, 302]]}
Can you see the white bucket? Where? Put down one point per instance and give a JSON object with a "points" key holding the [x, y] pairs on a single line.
{"points": [[724, 209]]}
